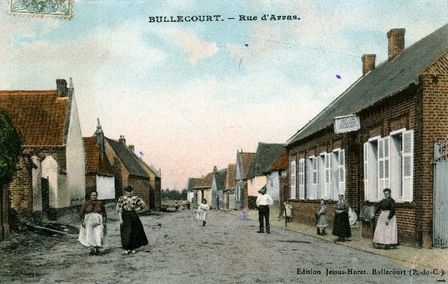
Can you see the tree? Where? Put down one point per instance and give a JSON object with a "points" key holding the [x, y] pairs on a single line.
{"points": [[183, 194], [10, 147]]}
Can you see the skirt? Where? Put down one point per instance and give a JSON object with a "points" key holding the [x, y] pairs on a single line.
{"points": [[92, 235], [322, 222], [341, 225], [386, 234], [201, 215], [132, 232]]}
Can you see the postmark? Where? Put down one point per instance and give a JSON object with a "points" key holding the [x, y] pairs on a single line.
{"points": [[41, 8]]}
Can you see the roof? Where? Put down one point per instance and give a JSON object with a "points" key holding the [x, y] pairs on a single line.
{"points": [[282, 162], [205, 182], [386, 79], [191, 183], [265, 156], [128, 158], [246, 160], [220, 179], [93, 158], [39, 116], [147, 167], [231, 177]]}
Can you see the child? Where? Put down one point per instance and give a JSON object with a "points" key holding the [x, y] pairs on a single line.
{"points": [[202, 211], [288, 212], [322, 222]]}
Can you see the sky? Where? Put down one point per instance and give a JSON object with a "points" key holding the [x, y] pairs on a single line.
{"points": [[189, 95]]}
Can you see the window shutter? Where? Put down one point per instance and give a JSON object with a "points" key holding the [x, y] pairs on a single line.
{"points": [[301, 179], [408, 165], [342, 171], [326, 193], [366, 172], [293, 180], [309, 177], [335, 175], [383, 165]]}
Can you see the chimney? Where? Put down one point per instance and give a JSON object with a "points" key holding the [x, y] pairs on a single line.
{"points": [[215, 169], [396, 42], [122, 140], [368, 63], [61, 85], [100, 139], [132, 148]]}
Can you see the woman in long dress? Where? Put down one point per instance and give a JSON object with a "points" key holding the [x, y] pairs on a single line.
{"points": [[341, 224], [131, 228], [93, 221], [386, 232]]}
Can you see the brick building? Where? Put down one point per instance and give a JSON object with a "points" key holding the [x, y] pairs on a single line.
{"points": [[243, 162], [50, 173], [379, 133]]}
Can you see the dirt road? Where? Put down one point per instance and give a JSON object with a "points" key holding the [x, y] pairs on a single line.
{"points": [[226, 250]]}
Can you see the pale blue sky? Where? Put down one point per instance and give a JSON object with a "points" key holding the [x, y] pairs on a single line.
{"points": [[189, 95]]}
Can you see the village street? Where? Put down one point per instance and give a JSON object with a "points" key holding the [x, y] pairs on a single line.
{"points": [[227, 250]]}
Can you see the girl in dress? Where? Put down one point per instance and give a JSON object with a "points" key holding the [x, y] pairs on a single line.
{"points": [[322, 222]]}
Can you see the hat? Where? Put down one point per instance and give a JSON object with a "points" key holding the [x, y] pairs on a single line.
{"points": [[128, 188]]}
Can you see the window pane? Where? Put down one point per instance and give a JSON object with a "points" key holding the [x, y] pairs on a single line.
{"points": [[386, 168], [381, 169], [407, 166]]}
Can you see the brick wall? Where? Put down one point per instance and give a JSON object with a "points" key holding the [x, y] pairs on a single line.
{"points": [[433, 116], [141, 188]]}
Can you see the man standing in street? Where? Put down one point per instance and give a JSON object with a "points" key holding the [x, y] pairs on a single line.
{"points": [[264, 201]]}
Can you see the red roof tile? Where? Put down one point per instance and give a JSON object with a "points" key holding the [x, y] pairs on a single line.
{"points": [[93, 158], [39, 116]]}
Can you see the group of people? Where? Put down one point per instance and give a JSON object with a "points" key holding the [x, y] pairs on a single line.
{"points": [[386, 232], [94, 217]]}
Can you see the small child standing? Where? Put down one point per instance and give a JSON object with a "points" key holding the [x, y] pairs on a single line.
{"points": [[322, 222], [288, 211], [202, 211]]}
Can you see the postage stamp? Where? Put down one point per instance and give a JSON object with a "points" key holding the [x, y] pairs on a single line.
{"points": [[53, 8]]}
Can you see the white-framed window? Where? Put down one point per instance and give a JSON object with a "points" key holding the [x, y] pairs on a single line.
{"points": [[341, 165], [326, 193], [326, 176], [301, 178], [309, 175], [315, 181], [388, 163], [293, 180]]}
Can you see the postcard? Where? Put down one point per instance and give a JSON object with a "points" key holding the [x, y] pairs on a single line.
{"points": [[192, 86]]}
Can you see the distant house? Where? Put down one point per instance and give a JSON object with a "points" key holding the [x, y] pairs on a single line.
{"points": [[229, 190], [243, 162], [203, 189], [51, 170], [191, 196], [128, 169], [388, 130], [99, 173], [265, 156], [218, 187], [155, 182], [277, 179]]}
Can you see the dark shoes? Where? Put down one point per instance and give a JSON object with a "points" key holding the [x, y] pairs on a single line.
{"points": [[95, 251], [260, 231], [268, 232]]}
